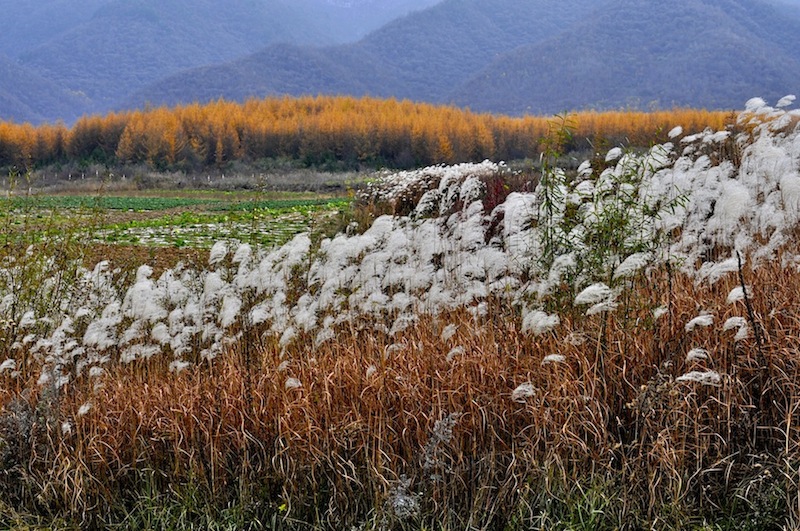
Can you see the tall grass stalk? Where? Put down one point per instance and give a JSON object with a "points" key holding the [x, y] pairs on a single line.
{"points": [[617, 444]]}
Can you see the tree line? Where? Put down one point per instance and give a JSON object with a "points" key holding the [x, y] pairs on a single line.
{"points": [[316, 131]]}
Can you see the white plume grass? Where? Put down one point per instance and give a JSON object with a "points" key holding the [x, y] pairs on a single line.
{"points": [[785, 101], [218, 253], [554, 358], [178, 366], [675, 132], [660, 312], [734, 322], [292, 383], [448, 332], [696, 354], [613, 154], [454, 352], [84, 409], [523, 391], [538, 322], [594, 294], [702, 320], [711, 378], [632, 264], [737, 294]]}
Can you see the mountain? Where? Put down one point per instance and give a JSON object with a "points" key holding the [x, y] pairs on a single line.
{"points": [[25, 96], [501, 56], [533, 56], [421, 56], [342, 21], [713, 53], [313, 22], [105, 49], [129, 43], [32, 23]]}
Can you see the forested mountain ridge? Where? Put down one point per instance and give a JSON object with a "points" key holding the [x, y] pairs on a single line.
{"points": [[24, 93], [713, 54], [499, 56], [421, 56], [541, 56], [32, 23], [102, 50]]}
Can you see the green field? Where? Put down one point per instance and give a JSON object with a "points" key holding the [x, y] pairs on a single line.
{"points": [[188, 219]]}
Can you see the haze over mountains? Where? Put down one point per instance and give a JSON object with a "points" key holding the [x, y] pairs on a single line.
{"points": [[689, 53], [420, 57], [91, 54], [62, 58]]}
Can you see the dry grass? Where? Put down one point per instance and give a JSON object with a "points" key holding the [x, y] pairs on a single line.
{"points": [[611, 425]]}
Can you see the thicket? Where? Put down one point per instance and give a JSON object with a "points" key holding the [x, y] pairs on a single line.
{"points": [[327, 132]]}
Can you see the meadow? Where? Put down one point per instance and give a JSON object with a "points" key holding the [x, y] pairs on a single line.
{"points": [[468, 346]]}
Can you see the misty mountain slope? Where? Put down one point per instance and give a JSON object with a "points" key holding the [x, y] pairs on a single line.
{"points": [[29, 24], [280, 69], [128, 44], [790, 8], [27, 97], [509, 56], [106, 49], [317, 22], [428, 53], [698, 53], [346, 21], [421, 56]]}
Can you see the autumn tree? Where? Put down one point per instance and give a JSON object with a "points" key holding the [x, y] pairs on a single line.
{"points": [[318, 130]]}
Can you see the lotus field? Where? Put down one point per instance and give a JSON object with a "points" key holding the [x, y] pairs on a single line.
{"points": [[616, 347]]}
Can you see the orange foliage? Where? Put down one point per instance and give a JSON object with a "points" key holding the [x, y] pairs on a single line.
{"points": [[318, 130]]}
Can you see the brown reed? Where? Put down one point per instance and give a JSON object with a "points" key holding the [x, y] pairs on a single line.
{"points": [[378, 417]]}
